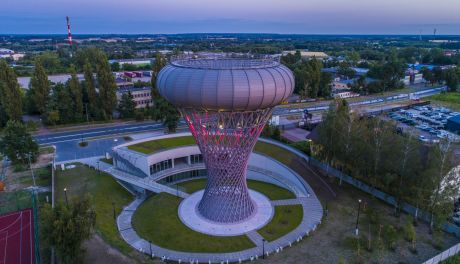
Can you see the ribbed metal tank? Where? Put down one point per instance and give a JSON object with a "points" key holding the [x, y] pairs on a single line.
{"points": [[225, 84]]}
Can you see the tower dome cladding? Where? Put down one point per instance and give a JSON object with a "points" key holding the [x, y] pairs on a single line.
{"points": [[225, 83]]}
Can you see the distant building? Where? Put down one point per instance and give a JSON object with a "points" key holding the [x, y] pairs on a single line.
{"points": [[334, 71], [142, 96], [453, 124], [308, 54], [141, 61]]}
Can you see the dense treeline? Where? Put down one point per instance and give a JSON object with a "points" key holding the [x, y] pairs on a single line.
{"points": [[310, 81], [376, 152]]}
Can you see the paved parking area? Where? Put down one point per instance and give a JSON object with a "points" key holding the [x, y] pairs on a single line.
{"points": [[428, 121]]}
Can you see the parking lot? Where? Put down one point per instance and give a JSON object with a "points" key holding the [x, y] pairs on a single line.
{"points": [[429, 121]]}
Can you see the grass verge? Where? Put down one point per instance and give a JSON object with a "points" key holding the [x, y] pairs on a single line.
{"points": [[152, 146], [286, 219], [450, 100], [106, 194], [156, 220]]}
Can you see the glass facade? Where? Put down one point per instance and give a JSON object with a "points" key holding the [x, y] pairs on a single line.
{"points": [[160, 166], [184, 176], [198, 158]]}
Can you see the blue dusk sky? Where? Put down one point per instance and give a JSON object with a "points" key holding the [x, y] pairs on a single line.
{"points": [[234, 16]]}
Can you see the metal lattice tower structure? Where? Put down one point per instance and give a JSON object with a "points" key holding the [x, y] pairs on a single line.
{"points": [[226, 102]]}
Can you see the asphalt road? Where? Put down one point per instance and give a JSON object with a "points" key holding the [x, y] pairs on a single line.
{"points": [[111, 131], [365, 101], [61, 137]]}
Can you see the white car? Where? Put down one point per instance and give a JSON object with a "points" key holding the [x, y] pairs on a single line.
{"points": [[423, 138]]}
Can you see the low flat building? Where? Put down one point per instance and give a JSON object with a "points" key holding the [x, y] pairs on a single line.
{"points": [[453, 124], [308, 54], [142, 96]]}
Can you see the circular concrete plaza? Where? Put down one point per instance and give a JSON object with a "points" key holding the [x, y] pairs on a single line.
{"points": [[189, 215]]}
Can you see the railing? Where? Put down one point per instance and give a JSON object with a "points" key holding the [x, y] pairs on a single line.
{"points": [[444, 255]]}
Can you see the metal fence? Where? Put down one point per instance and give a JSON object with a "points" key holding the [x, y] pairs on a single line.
{"points": [[444, 255], [408, 208]]}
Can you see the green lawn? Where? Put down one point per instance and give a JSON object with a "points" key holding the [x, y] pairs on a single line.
{"points": [[152, 146], [103, 190], [157, 220], [277, 153], [272, 191], [286, 219], [450, 100], [42, 177]]}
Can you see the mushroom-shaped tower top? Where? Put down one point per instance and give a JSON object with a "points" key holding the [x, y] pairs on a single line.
{"points": [[225, 84]]}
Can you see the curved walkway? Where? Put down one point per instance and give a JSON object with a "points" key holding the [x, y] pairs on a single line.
{"points": [[312, 212]]}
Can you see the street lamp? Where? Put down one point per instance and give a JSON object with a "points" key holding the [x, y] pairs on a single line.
{"points": [[66, 200], [263, 248], [357, 218], [150, 245]]}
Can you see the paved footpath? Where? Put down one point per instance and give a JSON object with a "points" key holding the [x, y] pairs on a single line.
{"points": [[311, 207], [312, 211]]}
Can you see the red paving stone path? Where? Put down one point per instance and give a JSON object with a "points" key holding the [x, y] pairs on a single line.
{"points": [[17, 238]]}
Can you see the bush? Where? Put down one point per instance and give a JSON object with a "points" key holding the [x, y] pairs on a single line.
{"points": [[140, 115], [409, 232], [391, 236], [437, 242], [372, 215]]}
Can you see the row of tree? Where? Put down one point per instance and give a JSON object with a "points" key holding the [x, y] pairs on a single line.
{"points": [[437, 75], [375, 152], [74, 100], [310, 80]]}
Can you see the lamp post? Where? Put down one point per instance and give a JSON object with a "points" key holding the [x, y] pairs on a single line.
{"points": [[150, 245], [263, 248], [357, 218], [65, 194]]}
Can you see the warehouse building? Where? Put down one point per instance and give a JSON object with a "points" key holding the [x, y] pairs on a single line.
{"points": [[453, 124]]}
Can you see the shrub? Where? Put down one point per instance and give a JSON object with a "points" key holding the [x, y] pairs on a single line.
{"points": [[391, 236]]}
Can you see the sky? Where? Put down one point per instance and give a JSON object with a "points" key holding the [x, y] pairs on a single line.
{"points": [[231, 16]]}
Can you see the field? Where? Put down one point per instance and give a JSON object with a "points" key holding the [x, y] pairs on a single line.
{"points": [[152, 146], [106, 194], [157, 220], [286, 219], [449, 100]]}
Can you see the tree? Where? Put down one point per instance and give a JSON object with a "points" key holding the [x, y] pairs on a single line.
{"points": [[162, 109], [325, 85], [107, 86], [346, 70], [90, 89], [452, 79], [428, 75], [127, 106], [445, 182], [10, 93], [115, 66], [17, 143], [66, 227], [39, 88], [76, 95]]}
